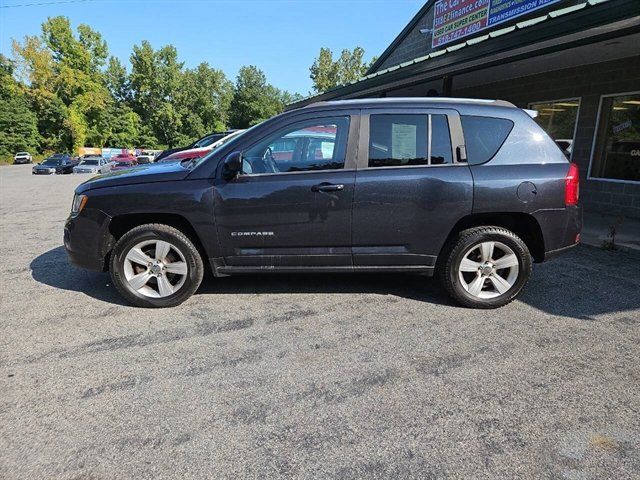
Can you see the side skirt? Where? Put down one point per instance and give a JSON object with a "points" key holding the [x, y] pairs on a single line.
{"points": [[225, 270]]}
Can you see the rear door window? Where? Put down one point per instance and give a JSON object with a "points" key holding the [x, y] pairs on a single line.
{"points": [[483, 136], [398, 140]]}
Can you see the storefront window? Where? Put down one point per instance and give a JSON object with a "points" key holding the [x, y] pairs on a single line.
{"points": [[558, 119], [616, 152]]}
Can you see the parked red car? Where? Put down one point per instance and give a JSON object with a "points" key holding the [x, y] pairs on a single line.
{"points": [[194, 153], [123, 161], [186, 155]]}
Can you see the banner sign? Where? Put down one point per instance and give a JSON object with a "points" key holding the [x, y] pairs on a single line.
{"points": [[82, 151], [112, 152], [456, 19]]}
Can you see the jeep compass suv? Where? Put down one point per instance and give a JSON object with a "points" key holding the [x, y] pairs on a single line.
{"points": [[473, 191]]}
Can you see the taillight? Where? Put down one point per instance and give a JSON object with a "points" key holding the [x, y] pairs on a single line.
{"points": [[572, 185]]}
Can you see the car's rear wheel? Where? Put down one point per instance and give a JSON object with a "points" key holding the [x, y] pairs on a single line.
{"points": [[156, 266], [485, 267]]}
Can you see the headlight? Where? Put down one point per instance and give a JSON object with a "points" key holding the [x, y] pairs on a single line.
{"points": [[79, 201]]}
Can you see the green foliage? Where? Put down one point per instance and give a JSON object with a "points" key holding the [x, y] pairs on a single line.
{"points": [[117, 81], [18, 125], [52, 114], [125, 127], [205, 95], [324, 71], [67, 92], [255, 100], [328, 73]]}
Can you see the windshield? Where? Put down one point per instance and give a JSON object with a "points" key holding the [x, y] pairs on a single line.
{"points": [[206, 141], [22, 153], [228, 138], [232, 140], [89, 162], [52, 161]]}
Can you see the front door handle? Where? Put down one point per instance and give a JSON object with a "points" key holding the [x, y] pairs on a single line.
{"points": [[327, 187]]}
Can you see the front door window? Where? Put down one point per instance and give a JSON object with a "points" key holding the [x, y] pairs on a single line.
{"points": [[305, 146]]}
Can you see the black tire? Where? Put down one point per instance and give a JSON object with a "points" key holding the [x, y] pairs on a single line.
{"points": [[453, 254], [195, 268]]}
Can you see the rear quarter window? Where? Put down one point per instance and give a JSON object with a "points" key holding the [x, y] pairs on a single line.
{"points": [[483, 136]]}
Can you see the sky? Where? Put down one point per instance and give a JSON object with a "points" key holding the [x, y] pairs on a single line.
{"points": [[280, 37]]}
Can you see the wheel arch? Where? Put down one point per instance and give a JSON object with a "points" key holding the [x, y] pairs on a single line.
{"points": [[523, 225], [121, 224]]}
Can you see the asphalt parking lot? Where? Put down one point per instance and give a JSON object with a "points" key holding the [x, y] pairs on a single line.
{"points": [[327, 376]]}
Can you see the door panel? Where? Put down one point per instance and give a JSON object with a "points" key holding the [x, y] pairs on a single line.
{"points": [[292, 208], [401, 216], [410, 189], [282, 220]]}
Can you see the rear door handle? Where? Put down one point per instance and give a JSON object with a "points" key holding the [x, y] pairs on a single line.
{"points": [[327, 187]]}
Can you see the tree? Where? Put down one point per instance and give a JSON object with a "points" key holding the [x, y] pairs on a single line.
{"points": [[204, 98], [254, 100], [18, 125], [52, 114], [155, 82], [80, 96], [117, 81], [328, 73], [67, 91], [125, 127], [324, 71]]}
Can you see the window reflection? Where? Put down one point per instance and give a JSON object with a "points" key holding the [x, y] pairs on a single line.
{"points": [[617, 149], [558, 119]]}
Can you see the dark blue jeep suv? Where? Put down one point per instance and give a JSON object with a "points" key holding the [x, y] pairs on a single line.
{"points": [[471, 190]]}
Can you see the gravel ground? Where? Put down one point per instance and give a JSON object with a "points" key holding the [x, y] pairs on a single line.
{"points": [[376, 376]]}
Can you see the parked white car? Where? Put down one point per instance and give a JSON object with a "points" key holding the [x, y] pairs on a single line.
{"points": [[22, 157], [146, 157], [93, 164]]}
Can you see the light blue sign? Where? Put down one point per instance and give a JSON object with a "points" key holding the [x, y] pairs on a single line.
{"points": [[503, 10]]}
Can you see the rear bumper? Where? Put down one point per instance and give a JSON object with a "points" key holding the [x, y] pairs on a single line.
{"points": [[560, 229], [87, 239]]}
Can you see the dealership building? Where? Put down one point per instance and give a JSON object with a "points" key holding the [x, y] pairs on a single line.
{"points": [[576, 62]]}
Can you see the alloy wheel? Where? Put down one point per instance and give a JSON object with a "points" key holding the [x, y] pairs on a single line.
{"points": [[488, 269], [155, 268]]}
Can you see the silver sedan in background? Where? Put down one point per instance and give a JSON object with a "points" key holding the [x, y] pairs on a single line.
{"points": [[93, 164]]}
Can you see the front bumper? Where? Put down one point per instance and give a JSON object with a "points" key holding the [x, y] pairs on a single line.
{"points": [[87, 239]]}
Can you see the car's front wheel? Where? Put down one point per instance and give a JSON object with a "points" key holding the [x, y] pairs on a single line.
{"points": [[156, 266], [485, 267]]}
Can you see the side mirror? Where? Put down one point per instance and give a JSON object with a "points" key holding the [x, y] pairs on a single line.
{"points": [[232, 165]]}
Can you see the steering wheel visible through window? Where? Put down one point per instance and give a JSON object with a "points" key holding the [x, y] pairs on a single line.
{"points": [[317, 144]]}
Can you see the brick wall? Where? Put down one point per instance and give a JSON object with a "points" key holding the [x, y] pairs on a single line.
{"points": [[588, 82]]}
